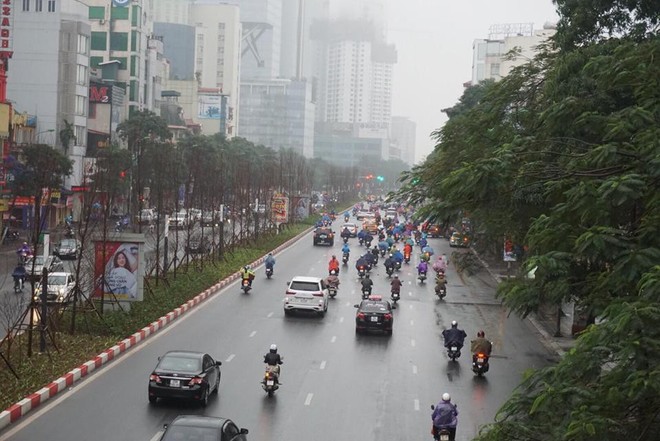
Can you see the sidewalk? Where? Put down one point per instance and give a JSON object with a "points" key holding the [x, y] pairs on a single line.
{"points": [[545, 320]]}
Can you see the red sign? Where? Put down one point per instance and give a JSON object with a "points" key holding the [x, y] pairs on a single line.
{"points": [[6, 29], [100, 94]]}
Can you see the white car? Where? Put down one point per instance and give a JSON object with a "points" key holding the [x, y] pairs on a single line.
{"points": [[306, 294], [179, 220], [60, 288]]}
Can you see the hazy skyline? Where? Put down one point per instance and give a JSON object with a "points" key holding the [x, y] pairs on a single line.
{"points": [[434, 44]]}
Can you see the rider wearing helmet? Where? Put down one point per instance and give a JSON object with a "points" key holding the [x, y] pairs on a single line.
{"points": [[247, 273], [445, 416], [481, 345], [274, 360], [270, 261], [332, 280], [454, 336], [367, 283], [333, 265], [396, 284]]}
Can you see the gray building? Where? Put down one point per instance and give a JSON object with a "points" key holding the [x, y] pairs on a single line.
{"points": [[278, 114], [49, 72], [350, 145], [179, 49], [402, 137], [262, 39]]}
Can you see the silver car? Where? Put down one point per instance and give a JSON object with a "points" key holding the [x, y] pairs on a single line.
{"points": [[35, 265], [60, 288]]}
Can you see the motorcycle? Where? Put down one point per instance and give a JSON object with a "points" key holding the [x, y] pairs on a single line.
{"points": [[12, 236], [389, 270], [366, 292], [18, 284], [269, 271], [345, 218], [361, 272], [440, 434], [453, 351], [480, 363], [398, 265], [367, 241], [245, 285], [396, 296], [69, 233], [271, 382], [361, 241], [382, 252], [23, 257], [332, 291], [421, 276], [345, 238], [344, 258], [441, 292], [406, 257]]}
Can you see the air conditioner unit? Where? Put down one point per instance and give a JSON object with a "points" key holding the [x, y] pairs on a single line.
{"points": [[102, 21]]}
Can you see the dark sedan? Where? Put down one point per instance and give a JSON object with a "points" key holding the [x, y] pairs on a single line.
{"points": [[374, 313], [195, 427], [185, 375], [67, 248]]}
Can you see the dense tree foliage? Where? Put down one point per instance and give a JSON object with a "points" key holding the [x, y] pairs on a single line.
{"points": [[563, 156]]}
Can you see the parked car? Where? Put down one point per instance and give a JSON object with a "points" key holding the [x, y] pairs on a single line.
{"points": [[195, 215], [198, 244], [179, 220], [197, 427], [211, 218], [147, 216], [185, 375], [34, 266], [67, 248], [324, 236], [306, 294], [374, 313], [60, 288]]}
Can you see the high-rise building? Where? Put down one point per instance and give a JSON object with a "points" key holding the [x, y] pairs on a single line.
{"points": [[490, 58], [172, 11], [262, 39], [49, 72], [402, 138]]}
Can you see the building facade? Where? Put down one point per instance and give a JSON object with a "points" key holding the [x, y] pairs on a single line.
{"points": [[49, 72], [178, 49], [262, 38], [172, 11], [402, 138]]}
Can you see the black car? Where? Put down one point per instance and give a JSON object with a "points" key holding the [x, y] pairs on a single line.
{"points": [[67, 248], [374, 313], [196, 427], [324, 236], [198, 245], [185, 375]]}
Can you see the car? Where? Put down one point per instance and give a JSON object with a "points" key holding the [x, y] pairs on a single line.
{"points": [[34, 266], [459, 240], [185, 375], [198, 244], [211, 218], [195, 215], [324, 236], [179, 220], [306, 294], [60, 288], [434, 230], [390, 214], [67, 248], [374, 313], [198, 427], [370, 225], [147, 216], [361, 214], [351, 227]]}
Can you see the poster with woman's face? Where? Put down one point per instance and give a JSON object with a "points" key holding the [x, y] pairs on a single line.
{"points": [[116, 271]]}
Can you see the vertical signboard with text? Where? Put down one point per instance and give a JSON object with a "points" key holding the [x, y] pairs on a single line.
{"points": [[279, 208], [7, 29]]}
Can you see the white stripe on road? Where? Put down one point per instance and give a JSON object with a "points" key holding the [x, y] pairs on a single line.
{"points": [[230, 358], [333, 339], [322, 365], [410, 293], [270, 314], [409, 282], [417, 404], [348, 303], [341, 319], [410, 306], [412, 322], [253, 333], [412, 342], [308, 400], [157, 436], [414, 368]]}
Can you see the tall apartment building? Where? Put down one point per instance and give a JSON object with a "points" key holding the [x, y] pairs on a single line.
{"points": [[402, 139], [489, 56], [49, 72], [262, 39], [122, 33], [172, 11]]}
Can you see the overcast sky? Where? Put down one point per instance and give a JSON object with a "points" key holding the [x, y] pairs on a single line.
{"points": [[434, 43]]}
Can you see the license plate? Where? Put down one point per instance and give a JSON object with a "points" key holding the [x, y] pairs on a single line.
{"points": [[454, 348], [270, 383], [444, 437], [302, 300], [480, 360], [175, 383], [374, 319], [323, 236]]}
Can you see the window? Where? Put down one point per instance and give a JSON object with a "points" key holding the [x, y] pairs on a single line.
{"points": [[119, 41], [495, 70], [80, 105], [99, 41], [82, 44], [95, 61], [26, 5], [51, 5], [119, 13], [135, 15], [39, 5], [81, 134], [81, 75], [123, 62], [96, 13], [135, 41]]}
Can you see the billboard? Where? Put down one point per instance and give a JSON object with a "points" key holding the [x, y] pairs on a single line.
{"points": [[118, 270], [209, 107], [301, 207], [279, 208]]}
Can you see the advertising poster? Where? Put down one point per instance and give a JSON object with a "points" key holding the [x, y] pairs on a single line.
{"points": [[301, 207], [122, 270], [279, 208], [210, 107]]}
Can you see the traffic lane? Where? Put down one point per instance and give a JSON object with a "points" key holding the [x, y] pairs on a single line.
{"points": [[125, 381]]}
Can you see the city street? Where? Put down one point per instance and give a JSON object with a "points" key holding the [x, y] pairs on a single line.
{"points": [[336, 384]]}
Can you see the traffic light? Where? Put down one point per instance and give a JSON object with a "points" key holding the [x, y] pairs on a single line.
{"points": [[122, 174], [380, 178]]}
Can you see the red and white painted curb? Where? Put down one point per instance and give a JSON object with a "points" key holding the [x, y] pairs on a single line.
{"points": [[20, 409]]}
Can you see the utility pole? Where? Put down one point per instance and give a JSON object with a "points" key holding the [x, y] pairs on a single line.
{"points": [[44, 310]]}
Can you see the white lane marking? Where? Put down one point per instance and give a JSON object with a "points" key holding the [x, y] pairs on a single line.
{"points": [[322, 365], [348, 303], [333, 339], [409, 282], [412, 342], [410, 306], [270, 314], [412, 322], [158, 435], [230, 358], [410, 293], [414, 368], [253, 333], [308, 400], [341, 319], [416, 404]]}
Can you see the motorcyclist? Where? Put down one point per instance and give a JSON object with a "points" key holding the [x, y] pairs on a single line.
{"points": [[422, 267], [407, 250], [273, 361], [270, 261], [24, 249], [367, 284], [383, 246], [345, 233], [440, 266], [396, 285], [333, 265], [247, 274], [445, 416], [423, 242], [371, 260], [367, 239], [454, 336], [332, 280], [397, 256], [480, 345], [19, 274], [361, 235], [345, 249], [440, 282], [375, 253], [361, 262], [389, 262]]}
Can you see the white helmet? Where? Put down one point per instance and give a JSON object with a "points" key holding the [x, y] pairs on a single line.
{"points": [[273, 347], [446, 397]]}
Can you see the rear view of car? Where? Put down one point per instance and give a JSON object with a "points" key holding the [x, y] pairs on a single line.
{"points": [[196, 427], [324, 236], [306, 294], [374, 314]]}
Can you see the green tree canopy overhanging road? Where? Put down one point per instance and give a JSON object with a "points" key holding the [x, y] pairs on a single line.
{"points": [[563, 155]]}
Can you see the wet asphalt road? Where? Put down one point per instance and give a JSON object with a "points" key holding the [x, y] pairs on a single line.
{"points": [[336, 385]]}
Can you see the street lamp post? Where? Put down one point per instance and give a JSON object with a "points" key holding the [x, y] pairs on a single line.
{"points": [[36, 136]]}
